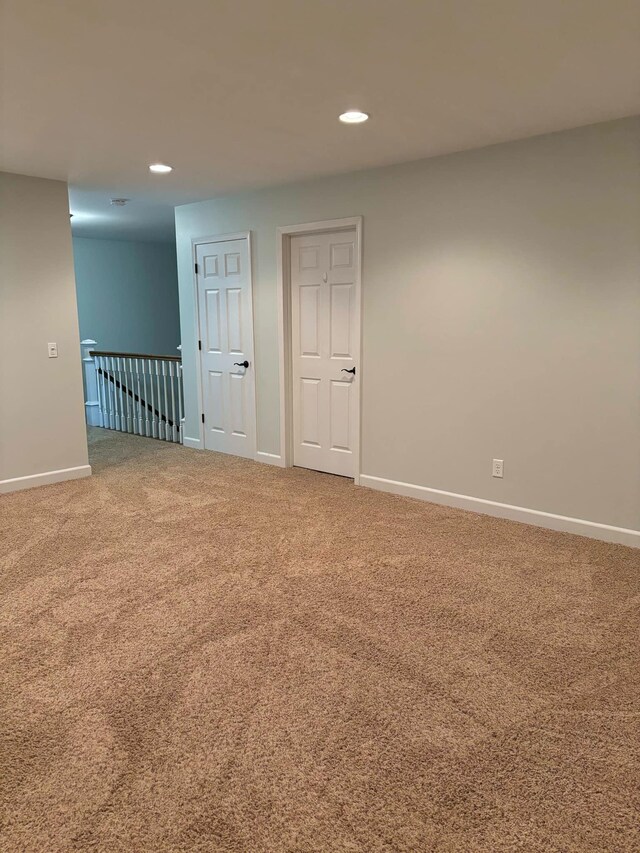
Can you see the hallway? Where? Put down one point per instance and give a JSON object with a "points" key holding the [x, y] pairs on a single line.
{"points": [[203, 653]]}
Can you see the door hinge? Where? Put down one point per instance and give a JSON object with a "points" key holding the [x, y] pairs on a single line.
{"points": [[196, 268], [203, 417], [199, 344]]}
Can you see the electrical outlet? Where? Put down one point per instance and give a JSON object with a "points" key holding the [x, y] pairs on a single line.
{"points": [[498, 468], [53, 350]]}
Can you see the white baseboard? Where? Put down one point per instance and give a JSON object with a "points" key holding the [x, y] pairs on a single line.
{"points": [[44, 479], [269, 458], [192, 442], [563, 523]]}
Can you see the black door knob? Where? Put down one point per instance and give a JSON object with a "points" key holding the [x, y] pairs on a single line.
{"points": [[241, 363], [351, 370]]}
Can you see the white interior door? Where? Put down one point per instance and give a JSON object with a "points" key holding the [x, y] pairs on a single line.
{"points": [[324, 268], [225, 314]]}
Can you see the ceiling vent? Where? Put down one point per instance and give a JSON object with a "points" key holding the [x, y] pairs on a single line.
{"points": [[119, 202]]}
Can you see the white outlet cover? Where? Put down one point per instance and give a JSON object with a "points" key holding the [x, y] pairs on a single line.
{"points": [[497, 469]]}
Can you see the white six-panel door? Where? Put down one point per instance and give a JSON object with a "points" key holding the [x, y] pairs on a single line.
{"points": [[226, 339], [323, 317]]}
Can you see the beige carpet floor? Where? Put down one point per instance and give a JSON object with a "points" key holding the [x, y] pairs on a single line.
{"points": [[201, 653]]}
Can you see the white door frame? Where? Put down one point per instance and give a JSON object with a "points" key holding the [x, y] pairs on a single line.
{"points": [[222, 238], [284, 328]]}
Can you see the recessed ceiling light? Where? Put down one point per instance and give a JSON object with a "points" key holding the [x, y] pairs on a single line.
{"points": [[353, 117], [160, 168]]}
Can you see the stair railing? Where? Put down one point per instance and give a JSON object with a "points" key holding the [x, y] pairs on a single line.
{"points": [[136, 393]]}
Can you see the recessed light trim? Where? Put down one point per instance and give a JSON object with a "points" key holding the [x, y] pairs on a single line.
{"points": [[353, 117], [160, 168]]}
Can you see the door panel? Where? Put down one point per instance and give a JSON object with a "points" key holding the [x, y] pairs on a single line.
{"points": [[210, 265], [212, 312], [238, 415], [341, 320], [309, 310], [216, 399], [234, 320], [342, 255], [308, 258], [323, 312], [226, 328], [309, 412], [340, 415]]}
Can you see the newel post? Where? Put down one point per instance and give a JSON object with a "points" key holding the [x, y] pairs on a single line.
{"points": [[91, 404]]}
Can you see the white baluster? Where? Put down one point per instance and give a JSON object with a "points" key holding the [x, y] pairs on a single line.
{"points": [[152, 413], [129, 392], [172, 384], [167, 372], [135, 390], [161, 406], [123, 394], [124, 384], [117, 387], [174, 395], [158, 398], [145, 371], [132, 388], [99, 388], [179, 373], [106, 400], [112, 392], [167, 428], [117, 391], [179, 391], [139, 393], [103, 393]]}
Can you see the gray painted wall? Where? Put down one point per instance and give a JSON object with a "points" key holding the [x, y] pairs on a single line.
{"points": [[128, 295], [501, 317], [42, 426]]}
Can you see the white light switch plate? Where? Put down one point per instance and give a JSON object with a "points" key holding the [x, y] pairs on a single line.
{"points": [[53, 350]]}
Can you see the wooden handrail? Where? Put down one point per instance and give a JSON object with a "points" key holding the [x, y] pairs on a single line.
{"points": [[136, 355]]}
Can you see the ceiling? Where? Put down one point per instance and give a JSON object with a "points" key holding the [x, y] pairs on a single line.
{"points": [[244, 93]]}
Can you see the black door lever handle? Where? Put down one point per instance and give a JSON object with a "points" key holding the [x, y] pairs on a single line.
{"points": [[241, 363], [351, 370]]}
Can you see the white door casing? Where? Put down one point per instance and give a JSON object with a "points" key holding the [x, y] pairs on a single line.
{"points": [[324, 347], [225, 320]]}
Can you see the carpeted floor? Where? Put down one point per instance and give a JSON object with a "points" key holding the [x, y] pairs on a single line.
{"points": [[201, 653]]}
